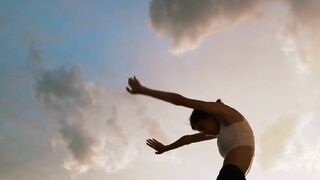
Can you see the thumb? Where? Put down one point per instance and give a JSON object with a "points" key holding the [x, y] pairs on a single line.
{"points": [[159, 152], [129, 90]]}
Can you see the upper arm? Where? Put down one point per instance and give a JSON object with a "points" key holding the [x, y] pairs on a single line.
{"points": [[221, 109], [210, 107], [197, 138]]}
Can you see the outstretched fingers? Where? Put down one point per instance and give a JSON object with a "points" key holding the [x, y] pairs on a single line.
{"points": [[156, 145], [152, 143], [149, 143]]}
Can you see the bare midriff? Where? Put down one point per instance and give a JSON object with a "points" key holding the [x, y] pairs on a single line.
{"points": [[241, 156]]}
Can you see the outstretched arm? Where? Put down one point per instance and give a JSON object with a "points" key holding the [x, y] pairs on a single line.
{"points": [[228, 113], [184, 140], [137, 88], [177, 99]]}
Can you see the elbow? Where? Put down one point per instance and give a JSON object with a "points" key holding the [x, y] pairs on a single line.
{"points": [[178, 100]]}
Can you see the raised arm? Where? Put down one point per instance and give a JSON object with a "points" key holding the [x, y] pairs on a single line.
{"points": [[184, 140], [177, 99]]}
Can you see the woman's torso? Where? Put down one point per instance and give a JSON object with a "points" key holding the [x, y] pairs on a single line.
{"points": [[236, 143]]}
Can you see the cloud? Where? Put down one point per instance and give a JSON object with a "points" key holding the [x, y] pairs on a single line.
{"points": [[79, 142], [304, 11], [303, 32], [61, 89], [291, 145], [274, 140], [98, 127], [62, 93], [188, 22], [90, 127], [302, 152]]}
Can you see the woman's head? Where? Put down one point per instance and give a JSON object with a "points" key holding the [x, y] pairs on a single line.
{"points": [[204, 121]]}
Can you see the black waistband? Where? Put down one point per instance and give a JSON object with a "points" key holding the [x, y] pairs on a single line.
{"points": [[231, 172]]}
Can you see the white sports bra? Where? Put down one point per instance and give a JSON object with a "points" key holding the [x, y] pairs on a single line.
{"points": [[234, 135]]}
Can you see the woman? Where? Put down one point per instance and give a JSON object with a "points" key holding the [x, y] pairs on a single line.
{"points": [[213, 120]]}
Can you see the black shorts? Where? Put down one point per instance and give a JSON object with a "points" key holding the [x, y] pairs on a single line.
{"points": [[231, 172]]}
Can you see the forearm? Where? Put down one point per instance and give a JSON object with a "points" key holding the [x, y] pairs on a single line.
{"points": [[180, 142], [170, 97], [188, 139]]}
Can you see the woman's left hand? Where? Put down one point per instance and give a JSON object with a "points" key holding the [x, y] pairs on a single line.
{"points": [[135, 86]]}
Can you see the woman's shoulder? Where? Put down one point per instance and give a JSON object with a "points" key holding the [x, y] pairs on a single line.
{"points": [[231, 115]]}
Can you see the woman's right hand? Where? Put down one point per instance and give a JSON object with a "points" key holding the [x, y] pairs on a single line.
{"points": [[156, 145], [135, 86]]}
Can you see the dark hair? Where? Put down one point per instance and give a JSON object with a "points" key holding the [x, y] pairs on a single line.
{"points": [[198, 115]]}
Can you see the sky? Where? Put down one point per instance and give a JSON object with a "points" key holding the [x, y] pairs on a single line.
{"points": [[65, 113]]}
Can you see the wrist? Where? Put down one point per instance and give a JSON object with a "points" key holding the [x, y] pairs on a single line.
{"points": [[142, 90], [167, 148]]}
